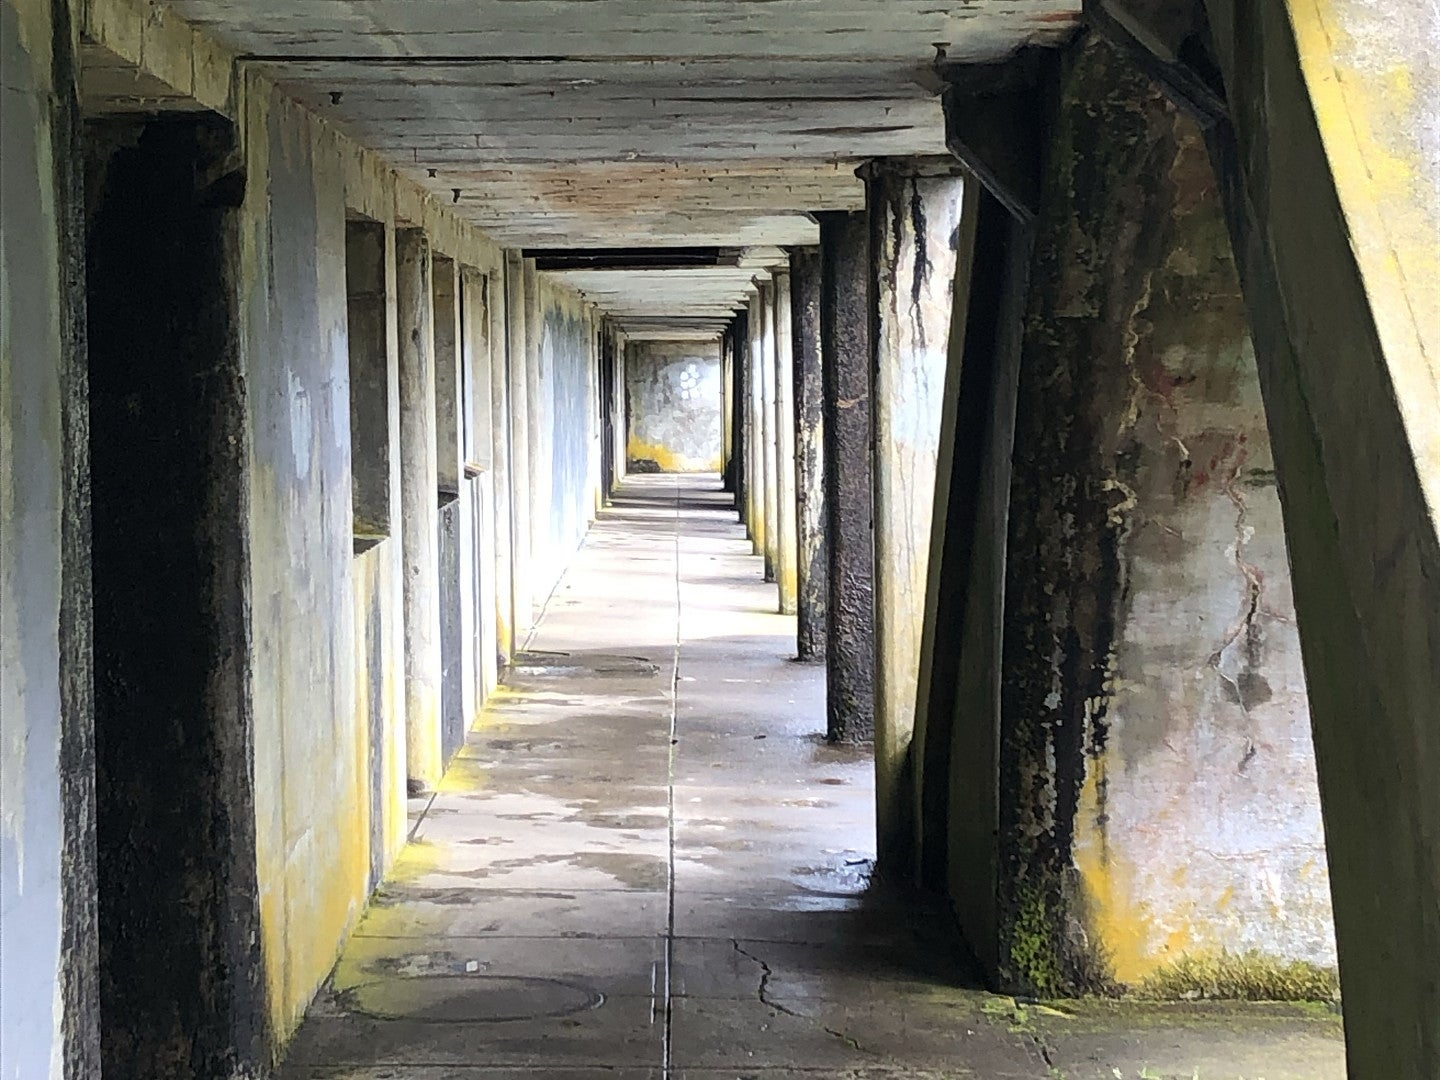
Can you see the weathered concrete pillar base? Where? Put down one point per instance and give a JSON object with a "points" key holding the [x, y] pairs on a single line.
{"points": [[419, 515], [812, 553], [845, 364], [914, 209]]}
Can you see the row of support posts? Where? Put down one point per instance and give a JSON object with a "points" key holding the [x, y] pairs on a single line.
{"points": [[841, 390]]}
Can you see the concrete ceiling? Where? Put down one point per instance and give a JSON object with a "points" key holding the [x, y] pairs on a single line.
{"points": [[628, 123]]}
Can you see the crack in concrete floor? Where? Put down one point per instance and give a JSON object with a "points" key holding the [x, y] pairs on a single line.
{"points": [[735, 851]]}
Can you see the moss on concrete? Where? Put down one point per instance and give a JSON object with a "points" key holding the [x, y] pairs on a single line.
{"points": [[1249, 976]]}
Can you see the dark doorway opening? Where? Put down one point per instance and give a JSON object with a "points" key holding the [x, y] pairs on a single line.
{"points": [[180, 966]]}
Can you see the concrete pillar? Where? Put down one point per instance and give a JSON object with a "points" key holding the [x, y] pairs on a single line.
{"points": [[914, 210], [479, 469], [845, 362], [769, 436], [811, 554], [500, 470], [419, 517], [541, 456], [786, 570], [727, 409], [755, 481], [519, 420]]}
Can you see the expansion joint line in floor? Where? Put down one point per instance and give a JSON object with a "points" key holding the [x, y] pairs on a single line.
{"points": [[665, 1066]]}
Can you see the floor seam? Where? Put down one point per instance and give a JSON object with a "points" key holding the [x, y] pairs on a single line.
{"points": [[667, 1036]]}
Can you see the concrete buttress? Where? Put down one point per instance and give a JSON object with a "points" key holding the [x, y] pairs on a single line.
{"points": [[520, 485], [914, 209], [769, 463]]}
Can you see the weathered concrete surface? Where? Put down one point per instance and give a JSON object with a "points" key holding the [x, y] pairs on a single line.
{"points": [[914, 211], [1341, 283], [502, 471], [811, 555], [530, 931], [769, 435], [787, 569], [845, 364], [1157, 787], [675, 406], [49, 977], [517, 361], [537, 427], [479, 469], [419, 512], [311, 774], [755, 485], [181, 984]]}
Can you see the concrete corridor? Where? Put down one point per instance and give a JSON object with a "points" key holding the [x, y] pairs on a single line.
{"points": [[645, 863]]}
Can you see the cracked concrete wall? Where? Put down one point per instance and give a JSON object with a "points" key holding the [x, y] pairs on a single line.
{"points": [[1159, 796], [675, 406]]}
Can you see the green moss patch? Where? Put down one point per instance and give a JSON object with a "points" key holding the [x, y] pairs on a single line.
{"points": [[1248, 976]]}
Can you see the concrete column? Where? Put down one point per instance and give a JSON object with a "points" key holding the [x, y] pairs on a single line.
{"points": [[727, 409], [500, 470], [515, 337], [845, 368], [914, 211], [480, 468], [769, 465], [755, 480], [786, 570], [811, 556], [541, 458], [419, 517]]}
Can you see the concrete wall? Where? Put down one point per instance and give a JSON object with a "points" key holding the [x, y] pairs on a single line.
{"points": [[673, 389], [1157, 776], [48, 986]]}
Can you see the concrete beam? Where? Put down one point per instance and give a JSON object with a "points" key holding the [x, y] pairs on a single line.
{"points": [[845, 359], [915, 211], [419, 520]]}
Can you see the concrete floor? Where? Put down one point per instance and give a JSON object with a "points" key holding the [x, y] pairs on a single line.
{"points": [[644, 864]]}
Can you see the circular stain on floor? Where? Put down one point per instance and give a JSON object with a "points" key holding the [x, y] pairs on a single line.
{"points": [[471, 998]]}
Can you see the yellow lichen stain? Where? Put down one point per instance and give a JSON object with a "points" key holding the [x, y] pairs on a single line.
{"points": [[668, 460], [1126, 930]]}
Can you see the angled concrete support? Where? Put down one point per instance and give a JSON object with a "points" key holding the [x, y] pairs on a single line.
{"points": [[517, 363], [787, 569], [541, 455], [914, 210], [845, 360], [811, 551], [1337, 101], [419, 518]]}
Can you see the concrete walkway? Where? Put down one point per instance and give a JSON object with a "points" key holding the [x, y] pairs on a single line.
{"points": [[645, 864]]}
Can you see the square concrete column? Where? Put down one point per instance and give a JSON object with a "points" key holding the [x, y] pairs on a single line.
{"points": [[786, 569], [480, 473], [845, 360], [541, 446], [768, 435], [419, 514], [500, 469], [755, 457], [914, 209], [811, 553], [519, 423]]}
